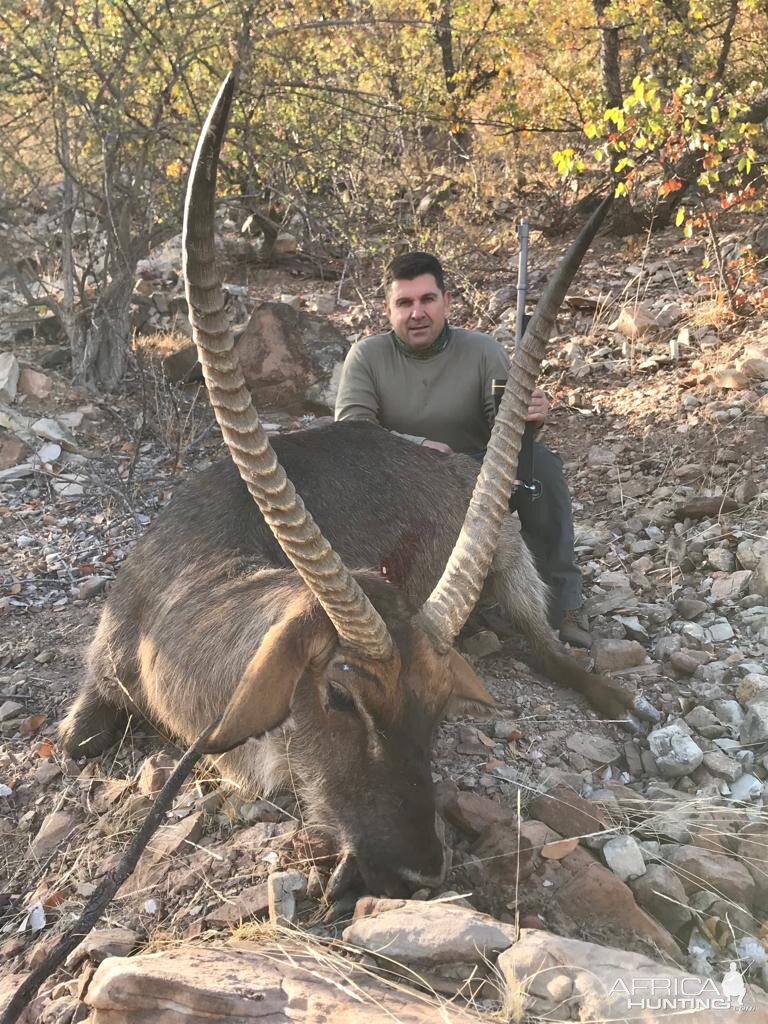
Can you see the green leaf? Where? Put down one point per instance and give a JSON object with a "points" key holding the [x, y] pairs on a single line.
{"points": [[623, 164]]}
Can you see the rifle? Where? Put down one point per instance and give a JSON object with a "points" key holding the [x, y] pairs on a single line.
{"points": [[528, 484]]}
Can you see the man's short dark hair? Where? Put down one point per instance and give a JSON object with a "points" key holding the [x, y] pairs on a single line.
{"points": [[411, 265]]}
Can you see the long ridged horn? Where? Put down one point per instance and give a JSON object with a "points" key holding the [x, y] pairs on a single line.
{"points": [[447, 608], [355, 619]]}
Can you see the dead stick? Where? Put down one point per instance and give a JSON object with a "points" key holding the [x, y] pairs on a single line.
{"points": [[109, 884]]}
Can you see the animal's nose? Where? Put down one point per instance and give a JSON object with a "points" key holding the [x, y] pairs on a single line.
{"points": [[431, 873], [398, 875]]}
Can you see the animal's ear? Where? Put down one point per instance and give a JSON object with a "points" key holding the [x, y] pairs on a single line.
{"points": [[262, 700], [468, 687]]}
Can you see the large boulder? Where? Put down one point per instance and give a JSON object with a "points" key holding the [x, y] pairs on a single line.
{"points": [[427, 934], [242, 982], [556, 978], [290, 358]]}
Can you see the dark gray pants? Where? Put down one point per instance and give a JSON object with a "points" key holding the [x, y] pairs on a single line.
{"points": [[547, 529]]}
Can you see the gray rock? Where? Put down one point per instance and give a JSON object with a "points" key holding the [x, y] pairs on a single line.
{"points": [[729, 712], [754, 728], [750, 551], [595, 748], [283, 887], [244, 905], [502, 299], [634, 627], [747, 787], [669, 314], [613, 600], [426, 933], [9, 376], [690, 608], [287, 355], [624, 857], [720, 632], [731, 587], [51, 430], [47, 453], [506, 728], [68, 488], [754, 362], [722, 559], [223, 983], [727, 743], [704, 721], [104, 942], [481, 644], [10, 709], [760, 579], [722, 766], [686, 662], [52, 834], [325, 304], [614, 655], [634, 321], [699, 868], [610, 580], [599, 457], [694, 633], [661, 893], [676, 754], [754, 686], [549, 977], [666, 646], [709, 678]]}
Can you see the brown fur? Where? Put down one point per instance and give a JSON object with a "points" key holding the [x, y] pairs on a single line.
{"points": [[206, 615]]}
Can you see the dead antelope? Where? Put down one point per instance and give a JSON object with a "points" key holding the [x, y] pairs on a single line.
{"points": [[247, 608]]}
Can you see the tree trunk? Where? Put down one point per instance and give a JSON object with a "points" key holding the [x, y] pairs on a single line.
{"points": [[68, 315], [610, 67], [100, 349], [624, 220], [460, 141]]}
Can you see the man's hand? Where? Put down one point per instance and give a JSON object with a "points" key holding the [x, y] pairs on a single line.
{"points": [[538, 410], [438, 446]]}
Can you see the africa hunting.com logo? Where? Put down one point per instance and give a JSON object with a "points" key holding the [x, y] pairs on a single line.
{"points": [[686, 992]]}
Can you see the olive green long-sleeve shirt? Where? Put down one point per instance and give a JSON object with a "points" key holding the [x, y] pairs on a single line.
{"points": [[446, 397]]}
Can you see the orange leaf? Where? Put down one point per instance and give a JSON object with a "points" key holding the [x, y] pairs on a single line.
{"points": [[55, 897], [673, 185], [559, 849], [44, 749]]}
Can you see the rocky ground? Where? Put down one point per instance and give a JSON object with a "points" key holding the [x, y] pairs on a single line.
{"points": [[582, 856]]}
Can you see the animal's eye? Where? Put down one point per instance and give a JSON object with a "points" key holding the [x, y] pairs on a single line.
{"points": [[339, 699]]}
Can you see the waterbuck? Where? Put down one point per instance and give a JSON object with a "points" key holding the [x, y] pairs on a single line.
{"points": [[274, 612]]}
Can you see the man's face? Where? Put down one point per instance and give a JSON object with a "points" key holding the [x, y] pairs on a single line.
{"points": [[417, 310]]}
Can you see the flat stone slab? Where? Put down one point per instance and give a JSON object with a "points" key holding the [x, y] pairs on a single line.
{"points": [[554, 978], [276, 983]]}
